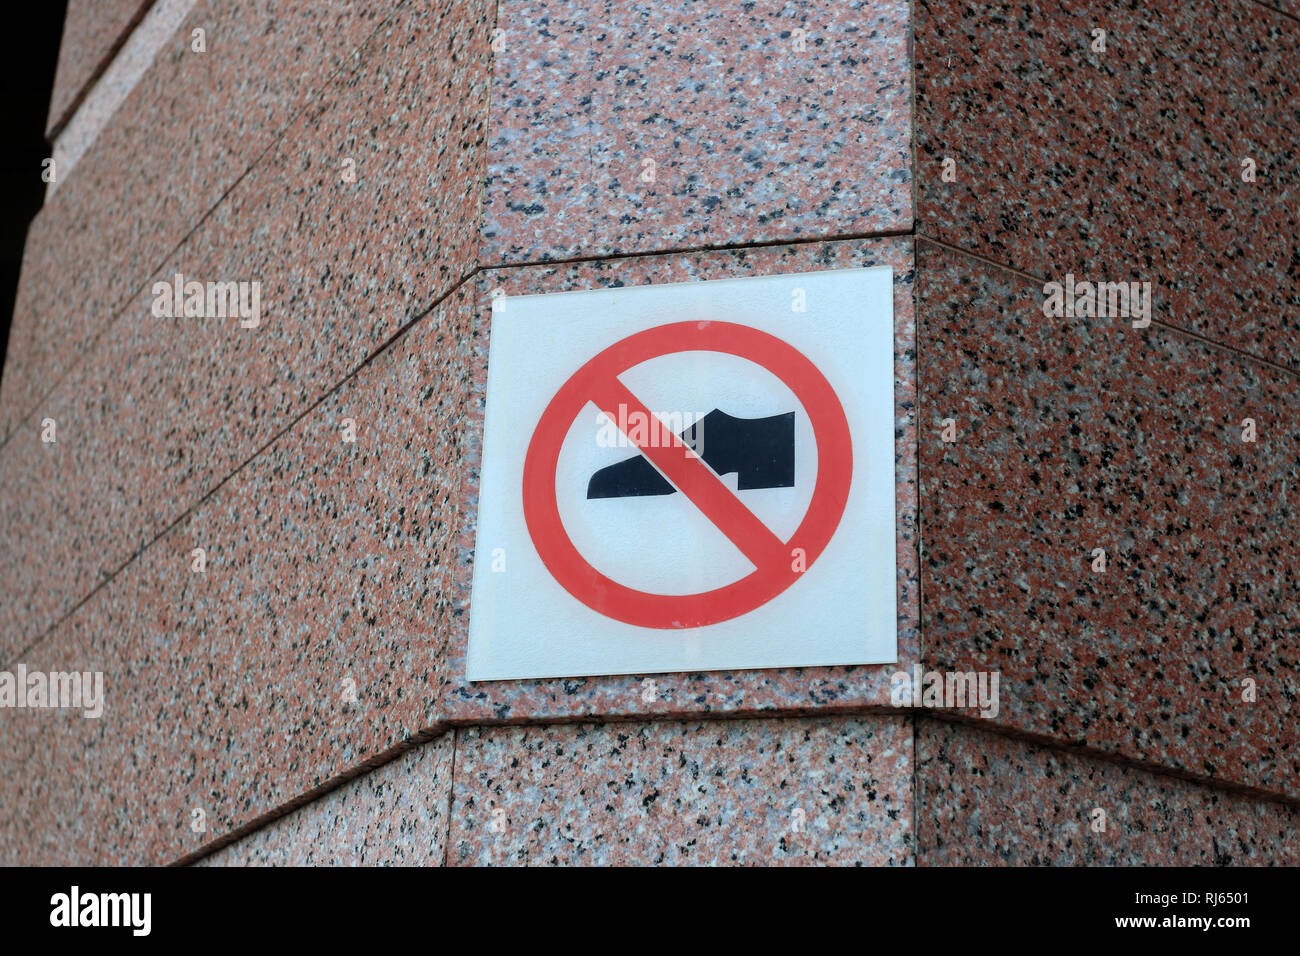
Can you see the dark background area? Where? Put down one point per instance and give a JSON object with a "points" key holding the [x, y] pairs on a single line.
{"points": [[31, 39]]}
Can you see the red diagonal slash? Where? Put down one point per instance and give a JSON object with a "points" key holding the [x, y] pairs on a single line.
{"points": [[692, 477], [597, 382]]}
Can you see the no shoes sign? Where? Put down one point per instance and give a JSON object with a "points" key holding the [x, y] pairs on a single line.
{"points": [[687, 477]]}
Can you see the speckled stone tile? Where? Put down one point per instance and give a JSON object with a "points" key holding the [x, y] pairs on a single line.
{"points": [[327, 561], [88, 770], [757, 132], [20, 348], [92, 32], [719, 692], [59, 502], [155, 31], [27, 345], [192, 126], [143, 762], [42, 765], [169, 407], [30, 367], [987, 800], [752, 792], [329, 574], [1290, 7], [1073, 435], [395, 815], [1125, 164], [69, 801], [18, 811], [34, 477]]}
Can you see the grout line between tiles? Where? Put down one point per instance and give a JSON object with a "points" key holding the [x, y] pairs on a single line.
{"points": [[289, 426], [472, 274], [1277, 10], [974, 724], [83, 92], [451, 796], [120, 310], [1239, 354]]}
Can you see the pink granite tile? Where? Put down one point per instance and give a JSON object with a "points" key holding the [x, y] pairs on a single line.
{"points": [[188, 131], [34, 479], [987, 800], [720, 692], [395, 815], [30, 370], [77, 806], [22, 818], [20, 813], [43, 765], [56, 498], [751, 792], [93, 30], [172, 406], [24, 326], [753, 138], [327, 562], [1124, 164], [143, 762], [1086, 433], [64, 801]]}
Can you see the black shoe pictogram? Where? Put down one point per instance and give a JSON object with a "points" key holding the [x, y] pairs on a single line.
{"points": [[759, 450]]}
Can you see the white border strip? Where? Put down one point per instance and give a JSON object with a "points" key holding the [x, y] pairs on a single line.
{"points": [[115, 85]]}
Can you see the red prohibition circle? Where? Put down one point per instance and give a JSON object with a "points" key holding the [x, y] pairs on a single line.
{"points": [[776, 562]]}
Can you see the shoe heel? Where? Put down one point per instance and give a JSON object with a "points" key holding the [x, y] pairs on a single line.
{"points": [[767, 449]]}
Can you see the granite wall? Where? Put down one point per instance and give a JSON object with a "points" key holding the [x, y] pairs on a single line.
{"points": [[383, 168]]}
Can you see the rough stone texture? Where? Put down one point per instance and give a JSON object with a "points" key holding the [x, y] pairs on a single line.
{"points": [[331, 563], [986, 800], [32, 474], [44, 787], [155, 32], [166, 408], [154, 172], [395, 815], [1086, 433], [92, 32], [20, 348], [1125, 164], [752, 139], [717, 692], [326, 561], [756, 792]]}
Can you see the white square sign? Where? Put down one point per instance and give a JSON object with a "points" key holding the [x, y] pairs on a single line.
{"points": [[688, 477]]}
